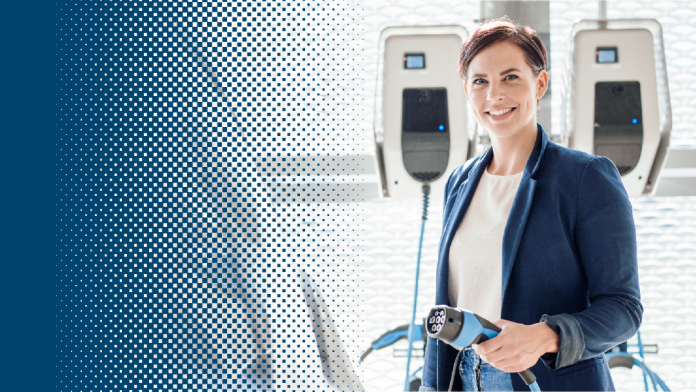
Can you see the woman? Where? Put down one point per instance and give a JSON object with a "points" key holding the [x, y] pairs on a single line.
{"points": [[536, 236]]}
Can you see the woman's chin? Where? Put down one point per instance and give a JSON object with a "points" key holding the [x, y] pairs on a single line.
{"points": [[499, 132], [502, 131]]}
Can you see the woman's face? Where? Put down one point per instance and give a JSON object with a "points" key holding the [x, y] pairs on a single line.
{"points": [[503, 91]]}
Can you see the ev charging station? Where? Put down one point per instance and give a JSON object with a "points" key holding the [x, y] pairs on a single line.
{"points": [[420, 125], [420, 109], [616, 99]]}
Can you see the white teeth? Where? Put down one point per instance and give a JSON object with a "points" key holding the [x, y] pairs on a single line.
{"points": [[498, 113]]}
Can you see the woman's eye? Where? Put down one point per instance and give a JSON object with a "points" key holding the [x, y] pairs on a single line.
{"points": [[511, 77], [479, 81]]}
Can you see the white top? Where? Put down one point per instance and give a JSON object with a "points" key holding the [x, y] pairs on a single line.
{"points": [[476, 252]]}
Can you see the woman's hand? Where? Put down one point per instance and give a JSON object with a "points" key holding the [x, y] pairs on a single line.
{"points": [[517, 347]]}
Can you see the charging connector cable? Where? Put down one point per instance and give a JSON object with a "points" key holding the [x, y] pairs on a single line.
{"points": [[411, 329]]}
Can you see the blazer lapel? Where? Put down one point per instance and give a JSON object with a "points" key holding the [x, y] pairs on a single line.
{"points": [[463, 198], [517, 220]]}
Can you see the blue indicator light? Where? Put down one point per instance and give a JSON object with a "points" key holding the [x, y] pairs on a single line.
{"points": [[635, 121], [442, 127]]}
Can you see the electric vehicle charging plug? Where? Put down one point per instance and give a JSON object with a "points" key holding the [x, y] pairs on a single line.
{"points": [[461, 328]]}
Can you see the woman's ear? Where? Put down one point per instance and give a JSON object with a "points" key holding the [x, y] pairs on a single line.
{"points": [[542, 83], [466, 90]]}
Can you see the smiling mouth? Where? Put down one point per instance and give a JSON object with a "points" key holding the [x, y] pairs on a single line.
{"points": [[500, 112]]}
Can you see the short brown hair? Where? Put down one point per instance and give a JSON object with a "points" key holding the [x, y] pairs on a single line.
{"points": [[504, 30]]}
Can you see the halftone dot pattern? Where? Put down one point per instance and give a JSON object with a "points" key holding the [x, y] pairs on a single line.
{"points": [[208, 196]]}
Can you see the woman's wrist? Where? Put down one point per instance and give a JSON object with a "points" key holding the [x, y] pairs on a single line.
{"points": [[548, 337]]}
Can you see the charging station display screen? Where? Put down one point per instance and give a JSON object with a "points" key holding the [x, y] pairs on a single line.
{"points": [[414, 61], [607, 55], [618, 103], [618, 129], [425, 110]]}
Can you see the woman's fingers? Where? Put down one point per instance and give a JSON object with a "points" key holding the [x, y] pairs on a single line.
{"points": [[514, 364], [493, 344], [515, 349], [488, 346]]}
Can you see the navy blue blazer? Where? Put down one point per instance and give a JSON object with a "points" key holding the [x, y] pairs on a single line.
{"points": [[569, 255]]}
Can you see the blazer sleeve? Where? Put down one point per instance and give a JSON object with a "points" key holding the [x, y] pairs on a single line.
{"points": [[605, 238]]}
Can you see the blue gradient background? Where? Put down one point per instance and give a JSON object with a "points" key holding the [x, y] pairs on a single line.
{"points": [[134, 253]]}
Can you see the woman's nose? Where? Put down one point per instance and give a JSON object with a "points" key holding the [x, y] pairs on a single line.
{"points": [[495, 92]]}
